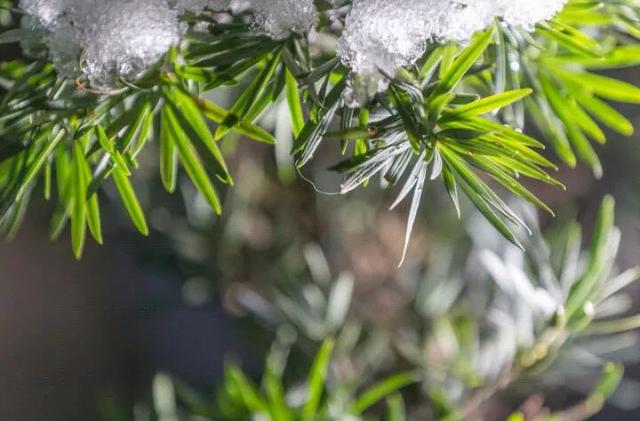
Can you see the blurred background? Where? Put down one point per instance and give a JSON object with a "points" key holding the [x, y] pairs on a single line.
{"points": [[78, 337]]}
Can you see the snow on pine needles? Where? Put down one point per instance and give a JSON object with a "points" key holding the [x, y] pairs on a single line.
{"points": [[105, 40], [384, 35], [110, 39]]}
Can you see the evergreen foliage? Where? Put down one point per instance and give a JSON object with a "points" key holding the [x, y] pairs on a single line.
{"points": [[460, 110], [484, 115]]}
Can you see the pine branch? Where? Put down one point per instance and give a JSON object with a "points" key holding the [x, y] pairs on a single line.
{"points": [[459, 110]]}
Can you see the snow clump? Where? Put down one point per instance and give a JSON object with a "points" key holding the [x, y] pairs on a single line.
{"points": [[106, 40], [384, 35]]}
